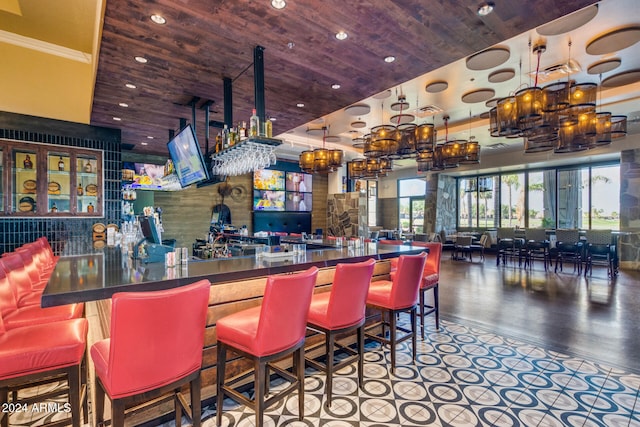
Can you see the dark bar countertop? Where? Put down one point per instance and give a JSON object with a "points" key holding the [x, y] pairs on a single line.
{"points": [[95, 276]]}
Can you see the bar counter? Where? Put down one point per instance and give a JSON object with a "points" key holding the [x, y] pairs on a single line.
{"points": [[99, 275], [236, 284]]}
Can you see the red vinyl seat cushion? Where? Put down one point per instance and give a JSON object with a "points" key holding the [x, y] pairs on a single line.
{"points": [[380, 294], [40, 348], [33, 315], [429, 280], [240, 330]]}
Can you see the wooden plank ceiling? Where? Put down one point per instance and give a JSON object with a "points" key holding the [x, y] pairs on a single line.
{"points": [[205, 40]]}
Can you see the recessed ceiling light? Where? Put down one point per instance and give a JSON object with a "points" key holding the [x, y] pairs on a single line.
{"points": [[341, 35], [130, 85], [123, 104], [299, 105], [117, 119], [273, 119], [278, 4], [291, 45], [144, 143], [485, 8], [149, 137], [335, 86], [141, 59], [158, 19], [389, 59]]}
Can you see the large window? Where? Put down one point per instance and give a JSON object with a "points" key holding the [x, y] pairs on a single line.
{"points": [[575, 197], [411, 197], [512, 200], [605, 199]]}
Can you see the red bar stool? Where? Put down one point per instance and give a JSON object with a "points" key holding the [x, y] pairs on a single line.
{"points": [[15, 316], [41, 354], [264, 334], [430, 280], [155, 348], [340, 311], [399, 295]]}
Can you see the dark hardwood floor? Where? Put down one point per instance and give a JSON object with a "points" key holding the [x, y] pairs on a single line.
{"points": [[594, 317]]}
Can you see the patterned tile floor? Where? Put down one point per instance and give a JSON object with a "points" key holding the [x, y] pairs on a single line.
{"points": [[463, 376]]}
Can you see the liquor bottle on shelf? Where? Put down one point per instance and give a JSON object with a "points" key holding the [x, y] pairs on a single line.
{"points": [[268, 128], [80, 191], [54, 208], [60, 164], [218, 146], [225, 136], [243, 130], [87, 167], [90, 208], [27, 162], [254, 124]]}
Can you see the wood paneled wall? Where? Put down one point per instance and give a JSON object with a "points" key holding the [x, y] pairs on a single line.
{"points": [[186, 214], [319, 210]]}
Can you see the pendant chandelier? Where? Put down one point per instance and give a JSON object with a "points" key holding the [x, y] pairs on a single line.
{"points": [[561, 116], [321, 160]]}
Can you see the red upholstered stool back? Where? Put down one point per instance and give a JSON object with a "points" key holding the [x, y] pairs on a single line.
{"points": [[290, 295], [8, 301], [30, 265], [18, 276], [391, 242], [156, 338], [406, 283], [347, 302], [432, 265]]}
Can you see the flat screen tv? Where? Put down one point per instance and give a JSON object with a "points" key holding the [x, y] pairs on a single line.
{"points": [[187, 158], [298, 202], [267, 179], [268, 200], [299, 182]]}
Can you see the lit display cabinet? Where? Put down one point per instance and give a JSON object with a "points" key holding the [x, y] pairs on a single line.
{"points": [[50, 180]]}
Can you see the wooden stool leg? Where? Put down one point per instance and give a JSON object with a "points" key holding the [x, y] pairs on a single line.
{"points": [[299, 356], [329, 364], [177, 407], [196, 404], [4, 417], [259, 388], [73, 377], [392, 332], [117, 413], [221, 363], [435, 305], [421, 299], [361, 356], [413, 332], [99, 404]]}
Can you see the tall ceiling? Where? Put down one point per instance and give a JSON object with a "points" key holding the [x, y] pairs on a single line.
{"points": [[72, 61]]}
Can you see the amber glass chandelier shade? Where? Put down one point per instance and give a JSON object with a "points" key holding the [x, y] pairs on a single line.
{"points": [[471, 153], [618, 126], [583, 93], [406, 146], [306, 161], [529, 107], [425, 137], [335, 159], [555, 96], [603, 128]]}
